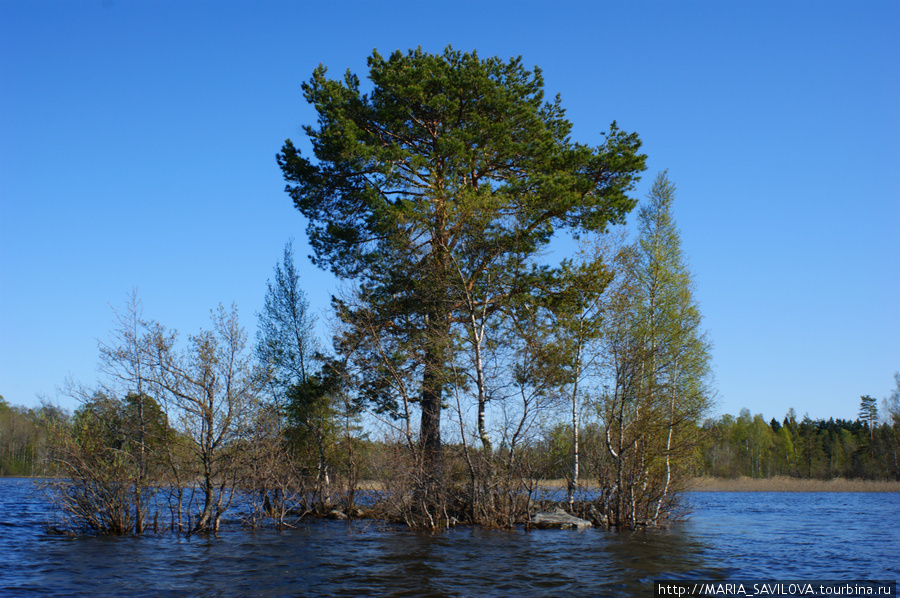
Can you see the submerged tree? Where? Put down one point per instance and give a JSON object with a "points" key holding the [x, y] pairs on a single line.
{"points": [[108, 455], [167, 424], [210, 391], [658, 359], [287, 348], [121, 359], [435, 192], [112, 454], [577, 327]]}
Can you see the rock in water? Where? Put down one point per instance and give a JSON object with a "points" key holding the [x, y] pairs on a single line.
{"points": [[558, 519]]}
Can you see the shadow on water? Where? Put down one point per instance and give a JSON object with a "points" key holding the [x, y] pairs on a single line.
{"points": [[735, 536]]}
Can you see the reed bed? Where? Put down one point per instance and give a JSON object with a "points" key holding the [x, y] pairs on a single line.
{"points": [[788, 484]]}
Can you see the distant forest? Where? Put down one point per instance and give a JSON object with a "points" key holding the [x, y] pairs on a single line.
{"points": [[867, 447], [747, 445]]}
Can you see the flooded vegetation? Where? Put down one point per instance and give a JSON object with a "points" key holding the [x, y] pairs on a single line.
{"points": [[729, 536]]}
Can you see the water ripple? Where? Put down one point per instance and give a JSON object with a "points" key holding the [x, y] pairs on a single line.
{"points": [[767, 536]]}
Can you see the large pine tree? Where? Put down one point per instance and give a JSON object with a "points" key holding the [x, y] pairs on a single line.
{"points": [[438, 188]]}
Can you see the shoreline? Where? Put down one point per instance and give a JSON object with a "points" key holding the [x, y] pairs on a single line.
{"points": [[789, 484]]}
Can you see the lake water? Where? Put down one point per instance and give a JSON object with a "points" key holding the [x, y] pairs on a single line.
{"points": [[729, 536]]}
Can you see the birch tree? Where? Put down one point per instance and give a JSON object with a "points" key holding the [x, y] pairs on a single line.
{"points": [[659, 365]]}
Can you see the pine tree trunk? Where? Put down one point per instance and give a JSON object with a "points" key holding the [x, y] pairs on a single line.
{"points": [[430, 430]]}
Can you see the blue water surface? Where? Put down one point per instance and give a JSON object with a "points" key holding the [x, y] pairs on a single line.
{"points": [[764, 536]]}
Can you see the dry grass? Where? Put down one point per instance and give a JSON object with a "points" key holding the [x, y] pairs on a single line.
{"points": [[371, 485], [553, 483], [787, 484]]}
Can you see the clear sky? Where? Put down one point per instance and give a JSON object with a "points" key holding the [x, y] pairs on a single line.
{"points": [[138, 142]]}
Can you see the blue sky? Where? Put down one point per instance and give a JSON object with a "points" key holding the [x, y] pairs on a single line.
{"points": [[138, 142]]}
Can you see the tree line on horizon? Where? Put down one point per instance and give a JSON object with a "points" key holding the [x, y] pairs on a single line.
{"points": [[866, 448], [465, 365], [732, 446]]}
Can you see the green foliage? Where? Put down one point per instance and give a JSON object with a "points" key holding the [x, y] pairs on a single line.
{"points": [[23, 439], [307, 388], [823, 449], [452, 140], [868, 410], [105, 459], [658, 369], [124, 425], [286, 342], [435, 191]]}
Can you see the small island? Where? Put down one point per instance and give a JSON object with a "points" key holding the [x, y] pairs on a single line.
{"points": [[467, 366]]}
